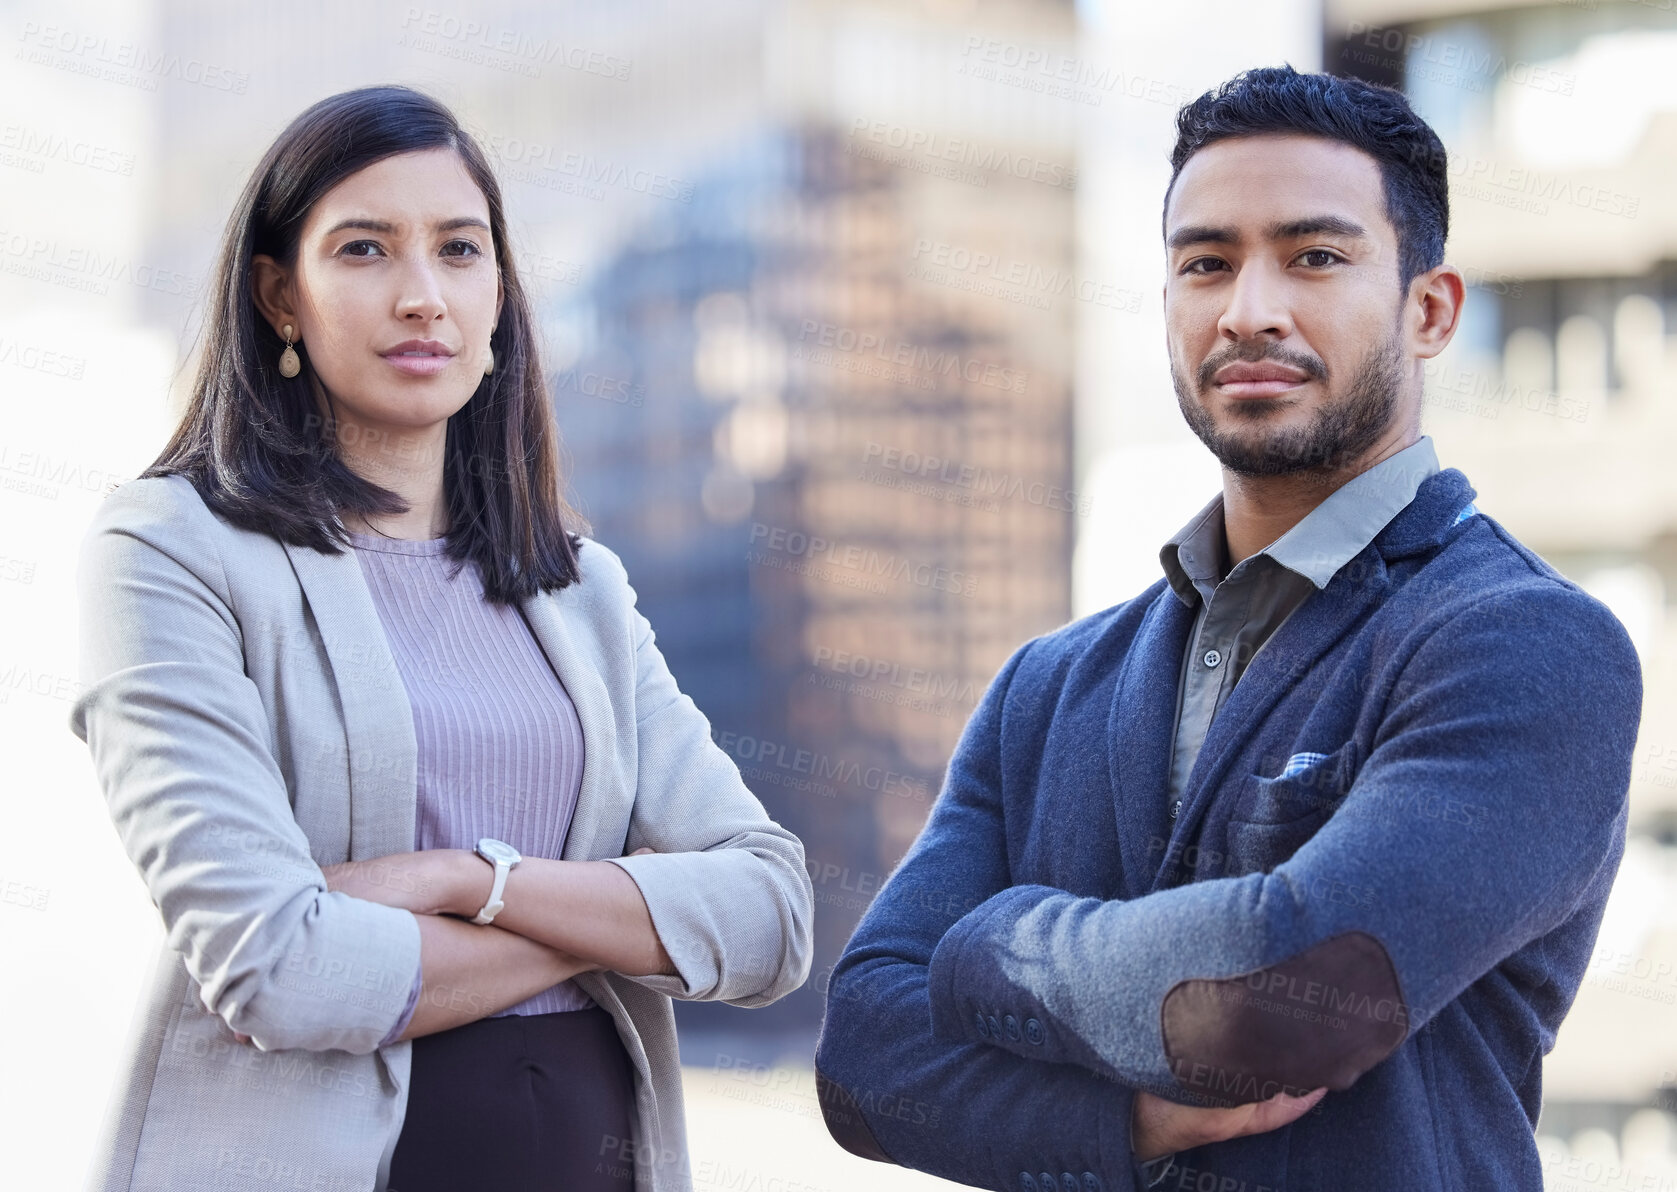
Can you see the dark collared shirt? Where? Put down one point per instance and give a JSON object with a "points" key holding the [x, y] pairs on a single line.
{"points": [[1240, 609]]}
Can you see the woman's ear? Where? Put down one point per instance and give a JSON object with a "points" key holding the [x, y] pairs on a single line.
{"points": [[270, 289]]}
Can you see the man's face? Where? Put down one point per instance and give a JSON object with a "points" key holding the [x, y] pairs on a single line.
{"points": [[1282, 304]]}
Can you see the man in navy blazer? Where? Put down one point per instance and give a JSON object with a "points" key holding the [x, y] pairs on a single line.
{"points": [[1279, 875]]}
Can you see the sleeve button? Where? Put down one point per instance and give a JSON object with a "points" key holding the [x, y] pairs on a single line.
{"points": [[979, 1020], [1027, 1182], [1033, 1032], [1011, 1025], [1091, 1182]]}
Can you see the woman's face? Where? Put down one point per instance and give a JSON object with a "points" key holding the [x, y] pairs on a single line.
{"points": [[394, 292]]}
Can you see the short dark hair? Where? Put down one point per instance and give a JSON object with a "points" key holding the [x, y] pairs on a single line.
{"points": [[255, 445], [1378, 120]]}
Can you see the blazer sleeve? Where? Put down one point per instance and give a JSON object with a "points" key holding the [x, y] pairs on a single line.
{"points": [[960, 1108], [181, 748], [1516, 716], [726, 886]]}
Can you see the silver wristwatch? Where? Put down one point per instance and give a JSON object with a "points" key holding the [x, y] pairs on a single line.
{"points": [[503, 857]]}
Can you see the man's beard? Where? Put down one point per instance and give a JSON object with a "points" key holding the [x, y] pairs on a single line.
{"points": [[1343, 428]]}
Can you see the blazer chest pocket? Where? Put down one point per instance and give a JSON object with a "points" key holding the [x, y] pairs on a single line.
{"points": [[1277, 814]]}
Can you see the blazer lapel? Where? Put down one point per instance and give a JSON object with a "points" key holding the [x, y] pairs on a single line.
{"points": [[545, 614], [379, 739], [1140, 732], [1306, 636], [582, 681], [1281, 663], [378, 719]]}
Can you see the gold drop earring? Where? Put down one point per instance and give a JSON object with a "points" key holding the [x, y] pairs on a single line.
{"points": [[289, 366]]}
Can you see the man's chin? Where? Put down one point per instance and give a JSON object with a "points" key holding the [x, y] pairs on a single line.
{"points": [[1268, 455]]}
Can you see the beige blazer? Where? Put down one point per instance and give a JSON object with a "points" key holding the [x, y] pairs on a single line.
{"points": [[248, 725]]}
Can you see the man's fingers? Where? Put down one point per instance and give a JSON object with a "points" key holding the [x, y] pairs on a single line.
{"points": [[1160, 1126], [1281, 1110]]}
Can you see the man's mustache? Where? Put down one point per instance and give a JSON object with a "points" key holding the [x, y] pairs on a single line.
{"points": [[1311, 366]]}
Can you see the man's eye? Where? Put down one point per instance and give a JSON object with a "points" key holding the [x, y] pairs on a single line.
{"points": [[1193, 265], [1319, 257]]}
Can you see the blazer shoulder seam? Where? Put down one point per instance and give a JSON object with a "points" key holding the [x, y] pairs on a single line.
{"points": [[166, 520]]}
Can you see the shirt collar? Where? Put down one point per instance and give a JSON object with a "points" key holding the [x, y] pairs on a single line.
{"points": [[1194, 557], [1324, 540]]}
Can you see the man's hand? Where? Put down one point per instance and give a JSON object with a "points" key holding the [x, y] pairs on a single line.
{"points": [[1159, 1127]]}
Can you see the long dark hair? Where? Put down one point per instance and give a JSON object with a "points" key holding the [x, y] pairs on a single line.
{"points": [[255, 445]]}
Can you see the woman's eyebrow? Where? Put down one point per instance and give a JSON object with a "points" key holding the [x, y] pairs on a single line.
{"points": [[380, 225]]}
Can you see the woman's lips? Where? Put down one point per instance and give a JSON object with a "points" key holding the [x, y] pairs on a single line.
{"points": [[419, 366]]}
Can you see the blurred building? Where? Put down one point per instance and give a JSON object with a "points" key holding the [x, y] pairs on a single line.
{"points": [[1558, 398], [823, 411]]}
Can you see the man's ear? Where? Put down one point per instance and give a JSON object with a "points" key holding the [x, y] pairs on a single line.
{"points": [[271, 290], [1436, 309]]}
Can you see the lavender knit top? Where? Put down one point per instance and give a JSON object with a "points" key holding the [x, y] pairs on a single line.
{"points": [[500, 746]]}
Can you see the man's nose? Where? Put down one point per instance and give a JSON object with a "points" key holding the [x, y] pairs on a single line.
{"points": [[1257, 306]]}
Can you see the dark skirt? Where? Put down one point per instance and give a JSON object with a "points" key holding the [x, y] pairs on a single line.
{"points": [[520, 1103]]}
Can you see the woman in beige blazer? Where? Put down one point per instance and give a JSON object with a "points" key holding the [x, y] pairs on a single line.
{"points": [[369, 377]]}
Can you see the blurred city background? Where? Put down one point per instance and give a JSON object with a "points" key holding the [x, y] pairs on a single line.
{"points": [[852, 317]]}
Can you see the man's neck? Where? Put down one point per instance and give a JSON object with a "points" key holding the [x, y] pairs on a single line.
{"points": [[1259, 509]]}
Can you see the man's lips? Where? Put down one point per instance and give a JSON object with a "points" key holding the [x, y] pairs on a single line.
{"points": [[1260, 379]]}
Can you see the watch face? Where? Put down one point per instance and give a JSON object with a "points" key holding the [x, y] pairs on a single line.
{"points": [[498, 850]]}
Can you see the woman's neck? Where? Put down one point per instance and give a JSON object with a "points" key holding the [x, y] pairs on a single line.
{"points": [[407, 461]]}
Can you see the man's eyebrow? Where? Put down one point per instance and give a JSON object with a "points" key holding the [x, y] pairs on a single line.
{"points": [[379, 225], [1202, 234], [1316, 225], [1293, 229]]}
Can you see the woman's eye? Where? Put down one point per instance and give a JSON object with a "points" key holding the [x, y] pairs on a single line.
{"points": [[465, 248], [350, 249]]}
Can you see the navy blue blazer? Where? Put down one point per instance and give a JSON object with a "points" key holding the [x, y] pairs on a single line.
{"points": [[1386, 877]]}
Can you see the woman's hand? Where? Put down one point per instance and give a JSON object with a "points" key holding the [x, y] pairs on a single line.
{"points": [[437, 881]]}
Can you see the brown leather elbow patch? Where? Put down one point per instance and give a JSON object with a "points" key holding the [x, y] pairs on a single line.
{"points": [[845, 1122], [1323, 1017]]}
